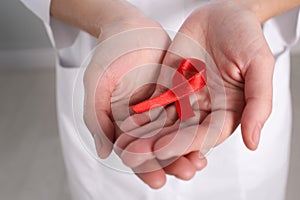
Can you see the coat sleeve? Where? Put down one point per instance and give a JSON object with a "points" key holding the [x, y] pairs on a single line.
{"points": [[61, 35], [40, 8]]}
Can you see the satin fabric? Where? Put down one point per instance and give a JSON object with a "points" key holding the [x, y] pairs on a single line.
{"points": [[233, 172]]}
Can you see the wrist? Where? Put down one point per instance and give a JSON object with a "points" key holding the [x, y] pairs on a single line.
{"points": [[118, 16], [266, 9], [92, 15], [125, 23], [254, 6], [258, 7]]}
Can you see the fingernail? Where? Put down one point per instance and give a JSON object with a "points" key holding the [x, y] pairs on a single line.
{"points": [[256, 135], [98, 144], [202, 163], [201, 155]]}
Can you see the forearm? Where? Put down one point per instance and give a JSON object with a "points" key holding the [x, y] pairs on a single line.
{"points": [[91, 15], [266, 9]]}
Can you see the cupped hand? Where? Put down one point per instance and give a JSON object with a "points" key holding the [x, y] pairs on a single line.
{"points": [[239, 85], [128, 56]]}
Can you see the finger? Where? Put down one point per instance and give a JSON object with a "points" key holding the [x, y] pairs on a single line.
{"points": [[198, 160], [131, 131], [134, 152], [258, 96], [122, 141], [159, 117], [139, 125], [181, 168], [186, 166], [214, 129], [137, 152], [151, 173], [99, 123], [137, 144]]}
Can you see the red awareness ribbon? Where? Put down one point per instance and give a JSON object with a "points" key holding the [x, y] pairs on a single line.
{"points": [[189, 78]]}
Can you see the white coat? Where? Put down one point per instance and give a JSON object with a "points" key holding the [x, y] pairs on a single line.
{"points": [[233, 172]]}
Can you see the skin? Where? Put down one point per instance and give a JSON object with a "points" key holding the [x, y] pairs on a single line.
{"points": [[245, 63], [98, 107], [239, 67]]}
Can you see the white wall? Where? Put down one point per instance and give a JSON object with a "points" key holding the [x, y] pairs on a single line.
{"points": [[20, 29], [23, 39]]}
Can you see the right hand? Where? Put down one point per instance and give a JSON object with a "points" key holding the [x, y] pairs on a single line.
{"points": [[239, 85], [110, 80]]}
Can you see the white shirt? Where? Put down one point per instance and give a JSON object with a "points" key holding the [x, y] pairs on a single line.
{"points": [[233, 172]]}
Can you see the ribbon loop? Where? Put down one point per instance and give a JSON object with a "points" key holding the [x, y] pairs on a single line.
{"points": [[189, 78]]}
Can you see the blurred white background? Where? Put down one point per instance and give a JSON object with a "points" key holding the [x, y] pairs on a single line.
{"points": [[31, 165]]}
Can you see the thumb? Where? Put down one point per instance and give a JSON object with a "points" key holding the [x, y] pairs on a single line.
{"points": [[97, 112], [258, 97]]}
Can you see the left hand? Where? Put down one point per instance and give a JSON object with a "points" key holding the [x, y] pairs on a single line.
{"points": [[231, 34]]}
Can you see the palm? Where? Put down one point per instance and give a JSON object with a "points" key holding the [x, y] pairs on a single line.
{"points": [[233, 39], [118, 75]]}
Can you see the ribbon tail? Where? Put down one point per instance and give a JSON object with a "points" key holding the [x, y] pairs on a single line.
{"points": [[184, 108]]}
